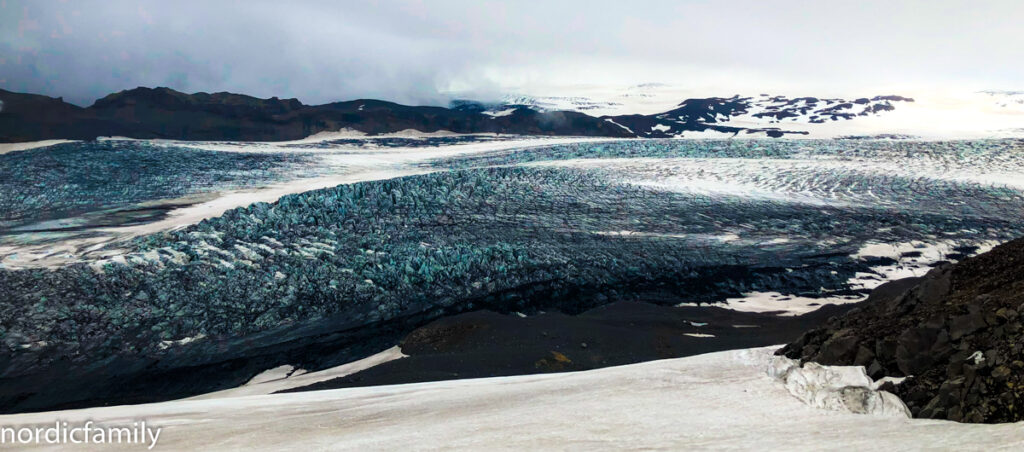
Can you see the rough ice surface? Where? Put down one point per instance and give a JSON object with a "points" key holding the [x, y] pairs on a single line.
{"points": [[823, 180], [347, 166]]}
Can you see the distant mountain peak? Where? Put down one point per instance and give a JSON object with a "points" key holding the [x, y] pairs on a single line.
{"points": [[163, 97], [766, 115]]}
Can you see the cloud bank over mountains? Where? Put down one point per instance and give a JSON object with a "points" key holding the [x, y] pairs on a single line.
{"points": [[419, 52]]}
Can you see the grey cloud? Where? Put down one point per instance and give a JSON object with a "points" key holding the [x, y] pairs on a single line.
{"points": [[416, 51]]}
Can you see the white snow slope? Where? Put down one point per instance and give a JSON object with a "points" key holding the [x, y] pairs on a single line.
{"points": [[718, 401]]}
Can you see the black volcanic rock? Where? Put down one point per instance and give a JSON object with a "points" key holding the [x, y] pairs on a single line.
{"points": [[956, 333], [695, 115], [715, 113], [165, 99], [30, 117], [707, 110], [777, 114], [885, 106]]}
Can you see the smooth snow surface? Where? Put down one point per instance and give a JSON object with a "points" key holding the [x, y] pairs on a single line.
{"points": [[719, 401], [11, 147]]}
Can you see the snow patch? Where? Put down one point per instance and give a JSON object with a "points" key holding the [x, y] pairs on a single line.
{"points": [[166, 344], [620, 125], [352, 133], [277, 373], [285, 377], [706, 134], [912, 258], [836, 388], [498, 114], [24, 146]]}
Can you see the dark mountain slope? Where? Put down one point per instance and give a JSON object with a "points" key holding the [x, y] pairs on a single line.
{"points": [[30, 117], [957, 333], [165, 113]]}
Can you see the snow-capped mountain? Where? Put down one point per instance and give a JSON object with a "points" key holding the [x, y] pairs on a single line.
{"points": [[712, 116], [560, 103], [754, 115], [657, 110]]}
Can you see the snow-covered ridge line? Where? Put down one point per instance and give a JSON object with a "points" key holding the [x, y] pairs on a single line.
{"points": [[709, 117]]}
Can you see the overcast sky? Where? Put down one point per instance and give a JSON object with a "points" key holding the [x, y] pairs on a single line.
{"points": [[426, 51]]}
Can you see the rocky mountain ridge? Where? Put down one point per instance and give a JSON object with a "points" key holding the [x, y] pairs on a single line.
{"points": [[163, 113]]}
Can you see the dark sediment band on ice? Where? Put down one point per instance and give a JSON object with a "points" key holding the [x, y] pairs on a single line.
{"points": [[489, 344]]}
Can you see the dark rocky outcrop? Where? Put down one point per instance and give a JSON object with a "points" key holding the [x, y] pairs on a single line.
{"points": [[30, 117], [956, 333], [893, 98]]}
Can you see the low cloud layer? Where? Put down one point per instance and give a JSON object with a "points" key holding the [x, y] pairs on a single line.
{"points": [[425, 52]]}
